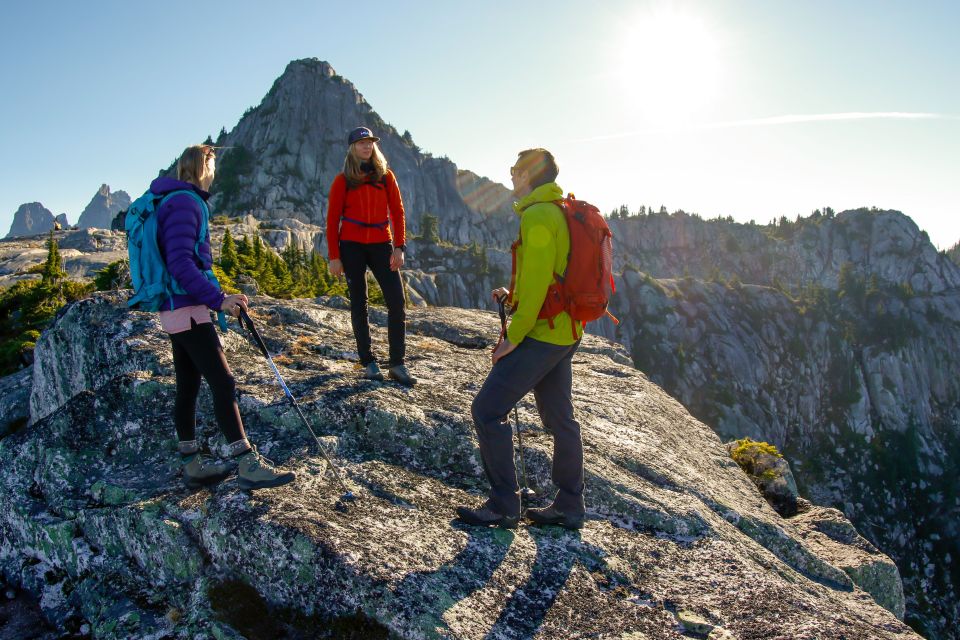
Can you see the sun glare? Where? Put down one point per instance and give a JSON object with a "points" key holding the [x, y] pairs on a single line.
{"points": [[670, 67]]}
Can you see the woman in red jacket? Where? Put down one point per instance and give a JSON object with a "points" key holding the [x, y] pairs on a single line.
{"points": [[365, 203]]}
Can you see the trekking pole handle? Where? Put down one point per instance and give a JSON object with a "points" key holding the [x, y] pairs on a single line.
{"points": [[501, 304], [247, 323]]}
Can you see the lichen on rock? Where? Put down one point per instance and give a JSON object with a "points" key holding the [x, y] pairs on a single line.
{"points": [[96, 523]]}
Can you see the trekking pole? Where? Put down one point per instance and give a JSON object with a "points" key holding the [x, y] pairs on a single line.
{"points": [[526, 493], [247, 323]]}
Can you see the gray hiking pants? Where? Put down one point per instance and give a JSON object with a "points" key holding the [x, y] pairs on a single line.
{"points": [[546, 370]]}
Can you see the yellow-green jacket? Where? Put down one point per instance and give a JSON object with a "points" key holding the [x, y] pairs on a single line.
{"points": [[545, 244]]}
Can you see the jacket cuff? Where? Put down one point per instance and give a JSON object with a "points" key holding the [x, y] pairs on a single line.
{"points": [[218, 304]]}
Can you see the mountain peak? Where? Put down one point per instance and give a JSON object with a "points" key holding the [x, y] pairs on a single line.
{"points": [[30, 219], [104, 205], [311, 64]]}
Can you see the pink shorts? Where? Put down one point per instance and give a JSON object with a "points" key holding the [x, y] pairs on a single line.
{"points": [[178, 320]]}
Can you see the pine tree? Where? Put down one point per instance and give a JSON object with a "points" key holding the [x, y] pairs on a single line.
{"points": [[257, 252], [319, 276], [53, 270], [229, 261], [281, 274], [244, 256], [430, 227], [374, 293], [263, 274]]}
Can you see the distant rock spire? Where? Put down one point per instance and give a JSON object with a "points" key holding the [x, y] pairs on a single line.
{"points": [[103, 207], [30, 219]]}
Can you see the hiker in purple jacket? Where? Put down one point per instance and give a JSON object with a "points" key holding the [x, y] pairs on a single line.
{"points": [[186, 318]]}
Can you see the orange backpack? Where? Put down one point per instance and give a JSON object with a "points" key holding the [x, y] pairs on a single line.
{"points": [[585, 288]]}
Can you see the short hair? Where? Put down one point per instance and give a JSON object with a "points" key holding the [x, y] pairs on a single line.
{"points": [[192, 165], [540, 164]]}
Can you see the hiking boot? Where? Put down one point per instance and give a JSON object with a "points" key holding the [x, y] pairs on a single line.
{"points": [[200, 470], [486, 517], [401, 375], [256, 472], [552, 515], [372, 372]]}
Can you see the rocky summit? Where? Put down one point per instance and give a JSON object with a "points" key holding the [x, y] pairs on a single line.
{"points": [[284, 153], [103, 207], [33, 218], [678, 543]]}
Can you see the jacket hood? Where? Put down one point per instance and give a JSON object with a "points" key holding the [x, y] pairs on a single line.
{"points": [[163, 186], [548, 192]]}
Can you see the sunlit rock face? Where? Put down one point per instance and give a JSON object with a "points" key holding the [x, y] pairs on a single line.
{"points": [[97, 524], [84, 252], [103, 207], [283, 155], [833, 338], [30, 219]]}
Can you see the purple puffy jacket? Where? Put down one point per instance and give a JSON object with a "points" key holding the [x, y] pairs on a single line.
{"points": [[178, 226]]}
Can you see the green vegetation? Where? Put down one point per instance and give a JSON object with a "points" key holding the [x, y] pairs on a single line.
{"points": [[479, 255], [27, 308], [747, 452], [429, 229], [293, 274], [115, 275], [231, 169]]}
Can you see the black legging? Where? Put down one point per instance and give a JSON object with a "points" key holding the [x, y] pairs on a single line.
{"points": [[356, 257], [196, 353]]}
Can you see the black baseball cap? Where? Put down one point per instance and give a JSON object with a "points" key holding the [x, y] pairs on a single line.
{"points": [[361, 133]]}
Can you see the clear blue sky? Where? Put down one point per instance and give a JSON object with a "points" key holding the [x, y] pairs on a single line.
{"points": [[749, 108]]}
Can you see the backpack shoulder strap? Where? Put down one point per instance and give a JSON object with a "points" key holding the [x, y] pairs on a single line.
{"points": [[204, 214]]}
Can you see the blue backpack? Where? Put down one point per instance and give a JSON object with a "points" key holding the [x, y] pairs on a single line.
{"points": [[152, 283]]}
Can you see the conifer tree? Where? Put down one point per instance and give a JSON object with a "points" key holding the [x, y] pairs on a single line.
{"points": [[245, 256], [53, 270], [284, 282], [229, 260], [374, 293], [257, 252], [430, 227]]}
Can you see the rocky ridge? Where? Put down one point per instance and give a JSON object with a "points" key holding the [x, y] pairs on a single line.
{"points": [[96, 523], [84, 252], [792, 255], [855, 387]]}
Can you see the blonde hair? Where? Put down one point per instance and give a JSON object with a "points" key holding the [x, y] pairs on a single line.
{"points": [[192, 166], [355, 175]]}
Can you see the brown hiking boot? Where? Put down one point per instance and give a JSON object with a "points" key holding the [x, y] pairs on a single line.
{"points": [[401, 375], [256, 472], [200, 471]]}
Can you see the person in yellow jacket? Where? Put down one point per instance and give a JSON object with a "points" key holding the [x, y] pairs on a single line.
{"points": [[536, 354]]}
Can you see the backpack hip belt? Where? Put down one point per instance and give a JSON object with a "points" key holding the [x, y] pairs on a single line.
{"points": [[374, 225]]}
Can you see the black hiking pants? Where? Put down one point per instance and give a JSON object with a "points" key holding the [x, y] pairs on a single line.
{"points": [[197, 353], [356, 258], [546, 370]]}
